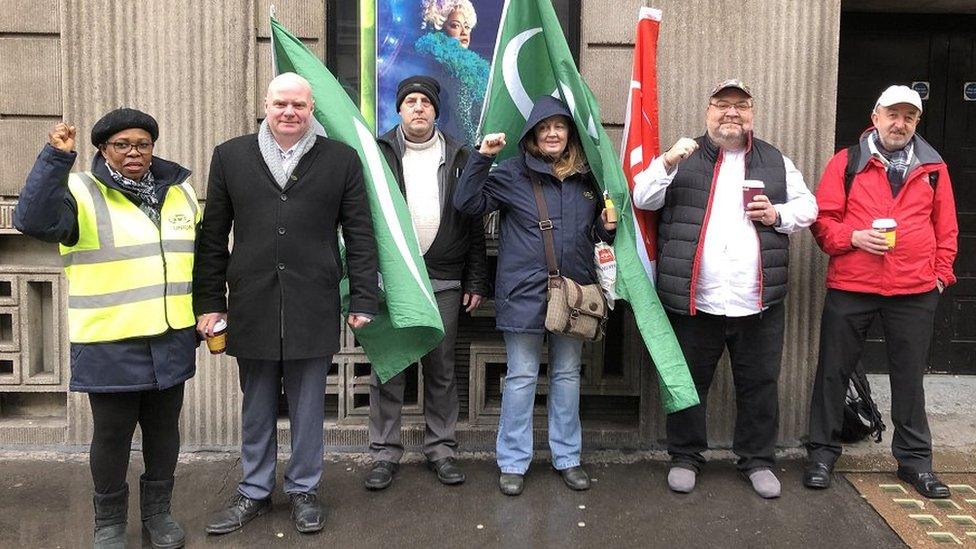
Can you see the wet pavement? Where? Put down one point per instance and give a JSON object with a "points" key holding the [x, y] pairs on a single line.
{"points": [[47, 503]]}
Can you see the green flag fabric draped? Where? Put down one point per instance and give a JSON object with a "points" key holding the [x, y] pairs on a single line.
{"points": [[532, 59], [409, 324]]}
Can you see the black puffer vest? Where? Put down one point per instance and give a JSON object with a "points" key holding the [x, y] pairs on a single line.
{"points": [[683, 221]]}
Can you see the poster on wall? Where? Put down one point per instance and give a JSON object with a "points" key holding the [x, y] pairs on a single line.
{"points": [[450, 40]]}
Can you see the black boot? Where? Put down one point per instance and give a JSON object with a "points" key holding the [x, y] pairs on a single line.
{"points": [[154, 503], [111, 512]]}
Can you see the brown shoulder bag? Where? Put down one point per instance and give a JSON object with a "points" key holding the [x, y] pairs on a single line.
{"points": [[574, 310]]}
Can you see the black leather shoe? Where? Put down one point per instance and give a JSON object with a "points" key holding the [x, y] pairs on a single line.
{"points": [[307, 512], [381, 475], [447, 471], [154, 506], [816, 475], [510, 484], [576, 478], [926, 483], [238, 512]]}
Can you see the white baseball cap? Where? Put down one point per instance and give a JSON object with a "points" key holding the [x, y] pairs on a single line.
{"points": [[900, 94]]}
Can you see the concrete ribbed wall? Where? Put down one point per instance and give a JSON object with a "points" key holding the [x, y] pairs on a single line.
{"points": [[787, 51], [201, 67]]}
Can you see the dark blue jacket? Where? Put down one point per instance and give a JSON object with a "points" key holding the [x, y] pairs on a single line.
{"points": [[574, 207], [47, 211]]}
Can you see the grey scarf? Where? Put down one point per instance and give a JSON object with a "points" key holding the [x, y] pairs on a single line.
{"points": [[144, 190], [272, 155]]}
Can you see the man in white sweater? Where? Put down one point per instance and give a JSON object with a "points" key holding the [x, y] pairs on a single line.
{"points": [[428, 164]]}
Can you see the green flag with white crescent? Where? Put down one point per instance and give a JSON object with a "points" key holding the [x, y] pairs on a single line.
{"points": [[532, 59], [408, 324]]}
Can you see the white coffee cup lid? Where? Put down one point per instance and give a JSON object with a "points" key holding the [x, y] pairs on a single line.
{"points": [[884, 223], [754, 184], [220, 325]]}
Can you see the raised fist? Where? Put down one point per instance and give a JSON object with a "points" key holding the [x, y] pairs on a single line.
{"points": [[62, 137], [492, 144]]}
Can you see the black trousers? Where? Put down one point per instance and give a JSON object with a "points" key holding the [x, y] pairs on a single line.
{"points": [[907, 321], [116, 416], [755, 345]]}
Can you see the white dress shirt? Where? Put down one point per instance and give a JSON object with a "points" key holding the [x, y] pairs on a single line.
{"points": [[728, 275]]}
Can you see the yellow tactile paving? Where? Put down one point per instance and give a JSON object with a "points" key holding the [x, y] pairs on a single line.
{"points": [[922, 522]]}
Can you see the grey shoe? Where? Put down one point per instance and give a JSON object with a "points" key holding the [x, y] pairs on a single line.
{"points": [[681, 479], [764, 482]]}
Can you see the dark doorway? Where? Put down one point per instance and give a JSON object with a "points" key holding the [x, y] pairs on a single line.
{"points": [[877, 50]]}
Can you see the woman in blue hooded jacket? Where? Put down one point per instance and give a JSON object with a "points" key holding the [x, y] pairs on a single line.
{"points": [[549, 149]]}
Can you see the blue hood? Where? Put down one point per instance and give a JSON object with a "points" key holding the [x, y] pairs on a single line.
{"points": [[544, 107]]}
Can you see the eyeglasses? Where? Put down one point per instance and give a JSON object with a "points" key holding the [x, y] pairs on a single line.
{"points": [[123, 147], [725, 106]]}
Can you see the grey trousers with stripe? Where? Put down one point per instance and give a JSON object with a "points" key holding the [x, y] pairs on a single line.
{"points": [[304, 384]]}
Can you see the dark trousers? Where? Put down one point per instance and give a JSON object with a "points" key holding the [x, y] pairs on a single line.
{"points": [[755, 345], [440, 396], [304, 385], [115, 417], [907, 321]]}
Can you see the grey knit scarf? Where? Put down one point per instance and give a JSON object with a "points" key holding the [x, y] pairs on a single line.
{"points": [[272, 155]]}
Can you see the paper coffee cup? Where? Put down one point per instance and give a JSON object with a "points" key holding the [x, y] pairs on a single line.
{"points": [[750, 189], [886, 226], [218, 343]]}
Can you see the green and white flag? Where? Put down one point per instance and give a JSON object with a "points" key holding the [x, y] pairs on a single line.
{"points": [[532, 59], [409, 324]]}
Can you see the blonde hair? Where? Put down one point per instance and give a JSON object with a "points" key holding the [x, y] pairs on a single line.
{"points": [[572, 160], [435, 12]]}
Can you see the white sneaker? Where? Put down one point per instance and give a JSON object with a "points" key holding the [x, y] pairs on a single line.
{"points": [[681, 479], [765, 483]]}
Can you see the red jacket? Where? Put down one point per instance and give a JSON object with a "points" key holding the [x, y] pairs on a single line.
{"points": [[925, 245]]}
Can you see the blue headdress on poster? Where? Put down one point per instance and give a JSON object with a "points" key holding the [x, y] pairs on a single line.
{"points": [[447, 46]]}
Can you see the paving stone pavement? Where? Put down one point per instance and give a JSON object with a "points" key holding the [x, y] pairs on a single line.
{"points": [[47, 503]]}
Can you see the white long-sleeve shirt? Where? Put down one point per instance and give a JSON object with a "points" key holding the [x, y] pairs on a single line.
{"points": [[728, 276]]}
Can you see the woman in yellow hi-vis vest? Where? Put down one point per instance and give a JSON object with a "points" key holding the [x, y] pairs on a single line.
{"points": [[126, 230]]}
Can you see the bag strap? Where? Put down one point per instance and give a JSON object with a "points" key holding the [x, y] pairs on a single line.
{"points": [[545, 224], [850, 170]]}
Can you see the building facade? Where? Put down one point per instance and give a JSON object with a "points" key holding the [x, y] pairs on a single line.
{"points": [[201, 67]]}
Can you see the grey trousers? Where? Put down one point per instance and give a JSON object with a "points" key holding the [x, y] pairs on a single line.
{"points": [[304, 384], [440, 396]]}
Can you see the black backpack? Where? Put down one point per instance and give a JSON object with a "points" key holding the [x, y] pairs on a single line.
{"points": [[861, 416]]}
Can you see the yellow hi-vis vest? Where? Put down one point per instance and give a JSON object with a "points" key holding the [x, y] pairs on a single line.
{"points": [[126, 277]]}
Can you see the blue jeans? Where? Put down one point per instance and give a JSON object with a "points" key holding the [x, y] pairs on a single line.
{"points": [[514, 445]]}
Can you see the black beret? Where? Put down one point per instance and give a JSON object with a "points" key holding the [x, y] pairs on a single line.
{"points": [[122, 119], [423, 84]]}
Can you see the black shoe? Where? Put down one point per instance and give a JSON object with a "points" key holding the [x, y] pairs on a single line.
{"points": [[307, 512], [576, 478], [154, 505], [447, 471], [238, 512], [816, 475], [381, 475], [510, 484], [111, 512], [926, 483]]}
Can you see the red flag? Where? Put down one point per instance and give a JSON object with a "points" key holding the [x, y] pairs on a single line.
{"points": [[641, 142]]}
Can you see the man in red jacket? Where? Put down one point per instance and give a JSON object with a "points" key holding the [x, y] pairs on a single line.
{"points": [[893, 178]]}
